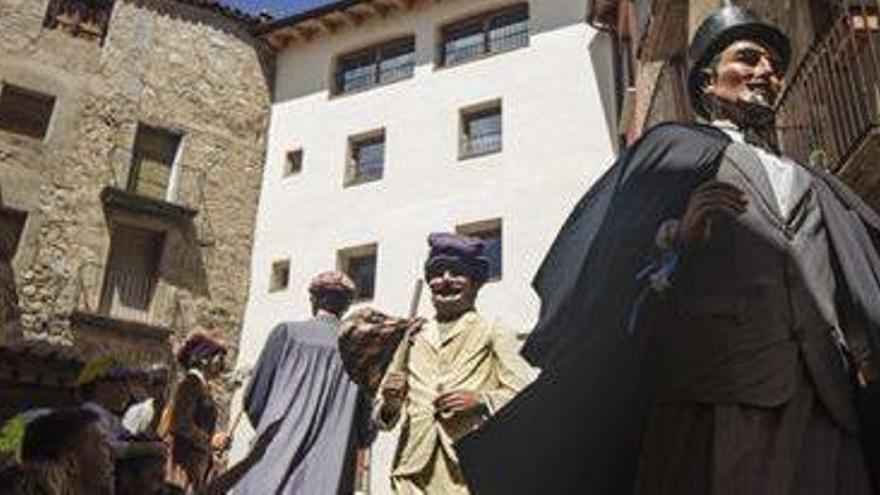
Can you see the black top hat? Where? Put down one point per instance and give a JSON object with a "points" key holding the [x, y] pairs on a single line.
{"points": [[717, 32]]}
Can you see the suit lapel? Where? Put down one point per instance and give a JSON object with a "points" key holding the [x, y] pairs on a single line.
{"points": [[430, 333], [461, 325], [746, 161], [801, 184]]}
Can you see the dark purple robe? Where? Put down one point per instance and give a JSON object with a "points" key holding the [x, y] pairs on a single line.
{"points": [[300, 377]]}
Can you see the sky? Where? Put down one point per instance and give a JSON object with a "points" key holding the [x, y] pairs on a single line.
{"points": [[278, 8]]}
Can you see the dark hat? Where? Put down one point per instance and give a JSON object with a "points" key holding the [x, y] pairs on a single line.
{"points": [[456, 248], [719, 31], [198, 346], [332, 281]]}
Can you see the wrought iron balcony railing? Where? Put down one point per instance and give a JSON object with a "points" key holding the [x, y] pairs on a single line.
{"points": [[831, 106], [484, 143], [503, 40]]}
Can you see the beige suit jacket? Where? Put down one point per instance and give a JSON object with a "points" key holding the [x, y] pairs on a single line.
{"points": [[473, 355]]}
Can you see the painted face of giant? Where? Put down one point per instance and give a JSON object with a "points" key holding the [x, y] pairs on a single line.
{"points": [[745, 83], [453, 290]]}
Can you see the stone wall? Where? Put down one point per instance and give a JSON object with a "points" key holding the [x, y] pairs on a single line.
{"points": [[166, 64]]}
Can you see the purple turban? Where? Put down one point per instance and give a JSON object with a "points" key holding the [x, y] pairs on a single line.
{"points": [[198, 346], [447, 249]]}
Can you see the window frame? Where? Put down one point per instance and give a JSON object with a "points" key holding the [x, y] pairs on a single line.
{"points": [[376, 53], [355, 144], [481, 230], [101, 13], [484, 21], [344, 258], [292, 167], [35, 97], [111, 303], [276, 284], [133, 179], [471, 113]]}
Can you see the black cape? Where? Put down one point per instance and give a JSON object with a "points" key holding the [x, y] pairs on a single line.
{"points": [[576, 429]]}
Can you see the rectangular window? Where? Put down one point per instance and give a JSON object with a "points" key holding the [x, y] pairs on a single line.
{"points": [[280, 276], [81, 18], [379, 64], [155, 151], [490, 232], [359, 263], [366, 158], [25, 112], [132, 273], [480, 130], [493, 32], [294, 162]]}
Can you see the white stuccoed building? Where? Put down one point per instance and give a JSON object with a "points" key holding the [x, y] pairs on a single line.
{"points": [[395, 118]]}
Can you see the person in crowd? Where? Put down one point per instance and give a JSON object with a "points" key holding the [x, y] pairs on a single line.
{"points": [[104, 387], [63, 452], [452, 374], [300, 380], [141, 470], [193, 411], [150, 391]]}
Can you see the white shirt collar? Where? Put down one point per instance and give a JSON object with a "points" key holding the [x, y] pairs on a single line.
{"points": [[729, 128], [198, 373]]}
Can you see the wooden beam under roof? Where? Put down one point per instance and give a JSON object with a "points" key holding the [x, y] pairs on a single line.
{"points": [[403, 4], [378, 8], [341, 18], [305, 32], [282, 38], [354, 18], [331, 18], [330, 24]]}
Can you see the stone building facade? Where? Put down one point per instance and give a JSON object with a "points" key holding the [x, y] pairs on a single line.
{"points": [[132, 135], [829, 112]]}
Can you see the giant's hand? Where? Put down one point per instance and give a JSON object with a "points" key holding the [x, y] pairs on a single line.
{"points": [[457, 402], [707, 202], [394, 391]]}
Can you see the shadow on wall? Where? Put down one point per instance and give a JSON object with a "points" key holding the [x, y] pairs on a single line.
{"points": [[11, 227], [602, 57], [183, 265], [319, 56]]}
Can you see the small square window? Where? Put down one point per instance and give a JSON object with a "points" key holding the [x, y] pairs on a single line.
{"points": [[25, 112], [490, 232], [359, 263], [481, 130], [280, 276], [366, 158], [294, 162]]}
